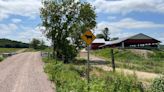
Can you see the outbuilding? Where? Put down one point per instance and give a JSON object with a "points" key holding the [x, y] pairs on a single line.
{"points": [[136, 41], [96, 43]]}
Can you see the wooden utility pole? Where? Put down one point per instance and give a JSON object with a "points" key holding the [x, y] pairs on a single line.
{"points": [[113, 61]]}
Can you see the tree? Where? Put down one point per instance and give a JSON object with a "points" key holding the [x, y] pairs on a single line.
{"points": [[42, 45], [106, 34], [35, 43], [99, 36], [65, 21]]}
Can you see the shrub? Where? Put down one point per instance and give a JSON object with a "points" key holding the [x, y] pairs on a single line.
{"points": [[66, 77], [158, 85], [1, 59]]}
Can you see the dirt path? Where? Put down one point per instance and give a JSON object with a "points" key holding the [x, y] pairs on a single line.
{"points": [[20, 51], [24, 73], [101, 63]]}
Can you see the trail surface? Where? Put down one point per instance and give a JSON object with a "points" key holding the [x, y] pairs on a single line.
{"points": [[101, 63], [24, 73]]}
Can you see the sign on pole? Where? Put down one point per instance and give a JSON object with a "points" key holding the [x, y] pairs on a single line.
{"points": [[88, 37]]}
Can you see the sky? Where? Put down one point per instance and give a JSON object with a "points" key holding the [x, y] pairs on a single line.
{"points": [[20, 19]]}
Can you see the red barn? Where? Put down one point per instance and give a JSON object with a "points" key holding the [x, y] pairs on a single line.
{"points": [[96, 43], [136, 41]]}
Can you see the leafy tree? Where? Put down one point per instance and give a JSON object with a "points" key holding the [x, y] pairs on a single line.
{"points": [[99, 36], [115, 38], [35, 43], [106, 34], [65, 21], [42, 45]]}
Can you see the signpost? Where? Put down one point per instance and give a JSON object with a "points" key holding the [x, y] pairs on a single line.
{"points": [[88, 37]]}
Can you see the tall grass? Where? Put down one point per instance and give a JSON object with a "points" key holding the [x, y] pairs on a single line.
{"points": [[127, 59], [71, 78]]}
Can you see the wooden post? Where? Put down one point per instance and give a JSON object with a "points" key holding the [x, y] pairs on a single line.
{"points": [[88, 68], [113, 62]]}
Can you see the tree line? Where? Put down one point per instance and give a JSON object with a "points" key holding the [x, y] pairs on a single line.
{"points": [[6, 43]]}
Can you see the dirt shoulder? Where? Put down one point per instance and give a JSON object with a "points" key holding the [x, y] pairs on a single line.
{"points": [[24, 73], [101, 63]]}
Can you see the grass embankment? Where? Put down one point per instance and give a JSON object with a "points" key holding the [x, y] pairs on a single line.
{"points": [[72, 78], [127, 59], [9, 50]]}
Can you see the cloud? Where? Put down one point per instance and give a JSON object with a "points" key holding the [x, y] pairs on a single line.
{"points": [[29, 33], [7, 29], [16, 20], [28, 8], [128, 23], [127, 6]]}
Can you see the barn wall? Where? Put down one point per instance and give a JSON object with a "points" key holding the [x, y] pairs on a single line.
{"points": [[95, 46]]}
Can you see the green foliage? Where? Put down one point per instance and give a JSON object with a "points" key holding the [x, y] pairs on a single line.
{"points": [[65, 21], [71, 78], [1, 59], [158, 85], [6, 43], [116, 82], [65, 77], [99, 36], [37, 44], [105, 34]]}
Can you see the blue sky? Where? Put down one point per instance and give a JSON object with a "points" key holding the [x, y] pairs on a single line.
{"points": [[19, 19]]}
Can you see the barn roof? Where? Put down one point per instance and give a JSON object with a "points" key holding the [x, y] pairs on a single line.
{"points": [[99, 41], [137, 36]]}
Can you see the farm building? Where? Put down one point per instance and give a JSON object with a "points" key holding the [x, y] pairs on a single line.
{"points": [[96, 43], [137, 41]]}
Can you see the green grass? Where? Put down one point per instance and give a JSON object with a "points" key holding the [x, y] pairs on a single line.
{"points": [[71, 78], [8, 50], [1, 59], [127, 59]]}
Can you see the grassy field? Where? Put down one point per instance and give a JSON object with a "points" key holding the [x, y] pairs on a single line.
{"points": [[8, 50], [127, 59], [72, 78]]}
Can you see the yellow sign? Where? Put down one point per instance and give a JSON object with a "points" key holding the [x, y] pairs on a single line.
{"points": [[88, 37]]}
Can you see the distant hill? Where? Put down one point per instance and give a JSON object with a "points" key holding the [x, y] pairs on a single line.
{"points": [[6, 43]]}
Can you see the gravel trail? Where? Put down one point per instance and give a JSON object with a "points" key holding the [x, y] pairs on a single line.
{"points": [[24, 73]]}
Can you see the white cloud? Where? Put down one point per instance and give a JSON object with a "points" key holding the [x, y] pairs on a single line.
{"points": [[6, 29], [127, 6], [111, 17], [16, 20], [29, 33], [28, 8], [128, 23]]}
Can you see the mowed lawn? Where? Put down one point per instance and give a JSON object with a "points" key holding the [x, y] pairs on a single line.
{"points": [[8, 50]]}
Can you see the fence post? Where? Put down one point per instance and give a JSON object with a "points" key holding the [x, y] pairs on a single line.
{"points": [[113, 61]]}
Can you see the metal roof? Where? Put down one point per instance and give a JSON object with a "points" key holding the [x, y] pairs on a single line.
{"points": [[137, 36], [99, 41]]}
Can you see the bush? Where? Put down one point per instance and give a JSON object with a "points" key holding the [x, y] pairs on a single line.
{"points": [[66, 77], [158, 85], [1, 59]]}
